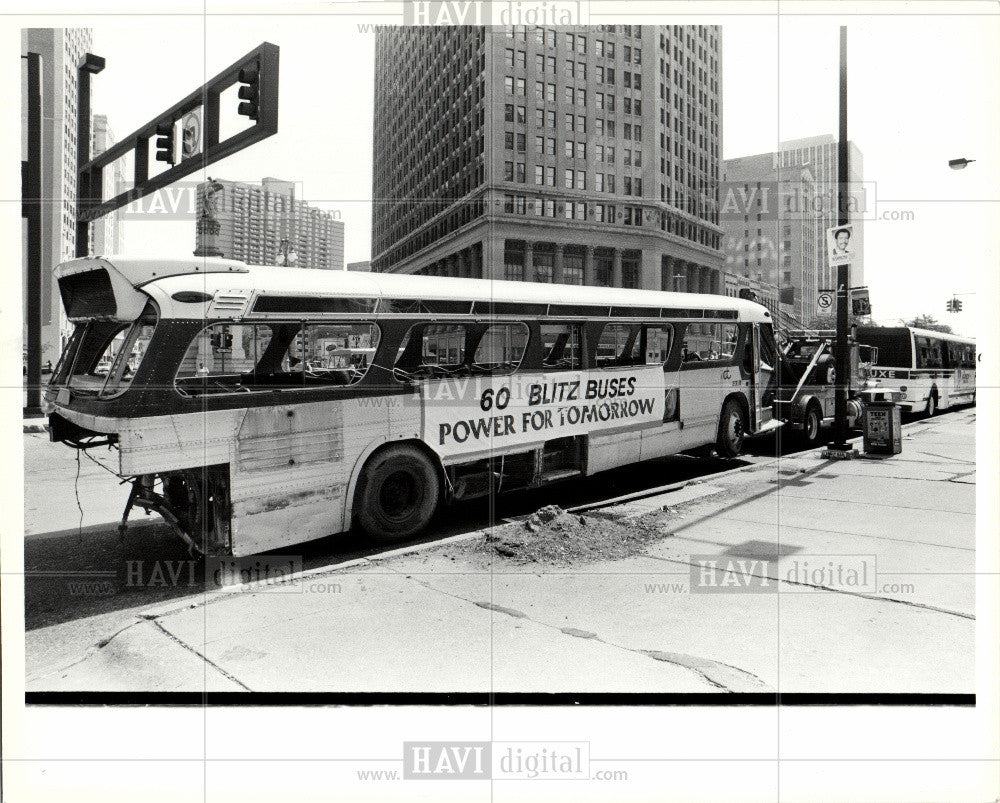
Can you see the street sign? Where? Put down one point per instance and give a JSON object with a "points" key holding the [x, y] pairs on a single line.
{"points": [[191, 134], [860, 301], [824, 303], [842, 243]]}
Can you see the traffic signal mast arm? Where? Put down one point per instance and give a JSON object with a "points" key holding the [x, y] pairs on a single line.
{"points": [[257, 72]]}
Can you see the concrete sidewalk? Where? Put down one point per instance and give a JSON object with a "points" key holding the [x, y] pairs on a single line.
{"points": [[36, 424], [802, 575]]}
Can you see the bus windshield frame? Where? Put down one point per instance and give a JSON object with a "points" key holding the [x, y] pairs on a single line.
{"points": [[90, 342]]}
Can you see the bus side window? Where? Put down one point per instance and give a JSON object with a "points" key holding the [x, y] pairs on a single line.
{"points": [[340, 353], [656, 342], [444, 345], [561, 345], [501, 348], [730, 337], [220, 355], [619, 345], [431, 350], [702, 341]]}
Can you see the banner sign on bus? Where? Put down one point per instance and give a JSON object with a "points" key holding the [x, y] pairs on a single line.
{"points": [[475, 414]]}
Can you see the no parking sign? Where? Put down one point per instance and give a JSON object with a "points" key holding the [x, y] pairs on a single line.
{"points": [[824, 303]]}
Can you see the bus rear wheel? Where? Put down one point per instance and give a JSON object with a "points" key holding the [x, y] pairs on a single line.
{"points": [[932, 404], [398, 493], [732, 429]]}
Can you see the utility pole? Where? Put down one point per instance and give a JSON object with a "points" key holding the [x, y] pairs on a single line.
{"points": [[31, 211], [840, 447]]}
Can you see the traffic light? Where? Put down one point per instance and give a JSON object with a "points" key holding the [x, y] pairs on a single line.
{"points": [[249, 92], [957, 305], [222, 340], [951, 305], [165, 143]]}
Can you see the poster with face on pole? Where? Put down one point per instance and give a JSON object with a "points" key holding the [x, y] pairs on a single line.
{"points": [[842, 244]]}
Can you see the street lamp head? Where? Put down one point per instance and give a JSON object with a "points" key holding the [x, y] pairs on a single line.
{"points": [[959, 164], [92, 64]]}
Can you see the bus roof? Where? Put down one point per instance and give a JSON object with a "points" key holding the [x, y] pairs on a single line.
{"points": [[941, 335], [163, 278], [863, 330]]}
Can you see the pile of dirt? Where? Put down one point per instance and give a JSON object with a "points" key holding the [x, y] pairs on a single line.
{"points": [[554, 535]]}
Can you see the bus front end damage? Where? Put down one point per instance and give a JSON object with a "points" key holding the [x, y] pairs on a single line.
{"points": [[194, 502]]}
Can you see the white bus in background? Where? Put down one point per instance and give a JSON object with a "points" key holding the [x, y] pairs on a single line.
{"points": [[272, 406], [930, 370]]}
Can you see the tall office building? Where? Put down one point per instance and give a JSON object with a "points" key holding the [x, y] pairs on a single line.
{"points": [[581, 155], [266, 225], [775, 211], [107, 235], [765, 243], [61, 50], [819, 155]]}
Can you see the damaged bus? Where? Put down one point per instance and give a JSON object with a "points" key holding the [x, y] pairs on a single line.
{"points": [[256, 407]]}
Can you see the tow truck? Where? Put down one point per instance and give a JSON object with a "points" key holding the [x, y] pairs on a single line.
{"points": [[807, 390]]}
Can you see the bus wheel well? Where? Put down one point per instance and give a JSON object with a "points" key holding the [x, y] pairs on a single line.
{"points": [[741, 400], [731, 431], [415, 443], [933, 401], [398, 492]]}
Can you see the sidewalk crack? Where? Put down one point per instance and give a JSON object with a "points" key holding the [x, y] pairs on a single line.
{"points": [[710, 671], [203, 657]]}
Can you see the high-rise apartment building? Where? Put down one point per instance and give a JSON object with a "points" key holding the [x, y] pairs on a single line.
{"points": [[107, 234], [581, 155], [775, 212], [61, 50], [266, 225]]}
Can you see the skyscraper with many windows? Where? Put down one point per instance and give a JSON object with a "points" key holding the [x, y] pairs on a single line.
{"points": [[580, 155], [107, 234], [819, 155], [266, 224], [776, 209]]}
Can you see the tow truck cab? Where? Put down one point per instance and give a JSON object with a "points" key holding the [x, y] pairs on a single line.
{"points": [[806, 395]]}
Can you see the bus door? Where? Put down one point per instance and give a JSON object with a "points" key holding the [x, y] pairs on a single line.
{"points": [[763, 378]]}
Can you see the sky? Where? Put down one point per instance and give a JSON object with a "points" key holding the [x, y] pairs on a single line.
{"points": [[922, 90]]}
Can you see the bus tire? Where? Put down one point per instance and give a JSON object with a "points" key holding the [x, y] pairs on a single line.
{"points": [[812, 424], [732, 429], [932, 403], [398, 493]]}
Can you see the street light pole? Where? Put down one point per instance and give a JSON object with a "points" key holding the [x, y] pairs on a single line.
{"points": [[85, 193], [842, 352]]}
